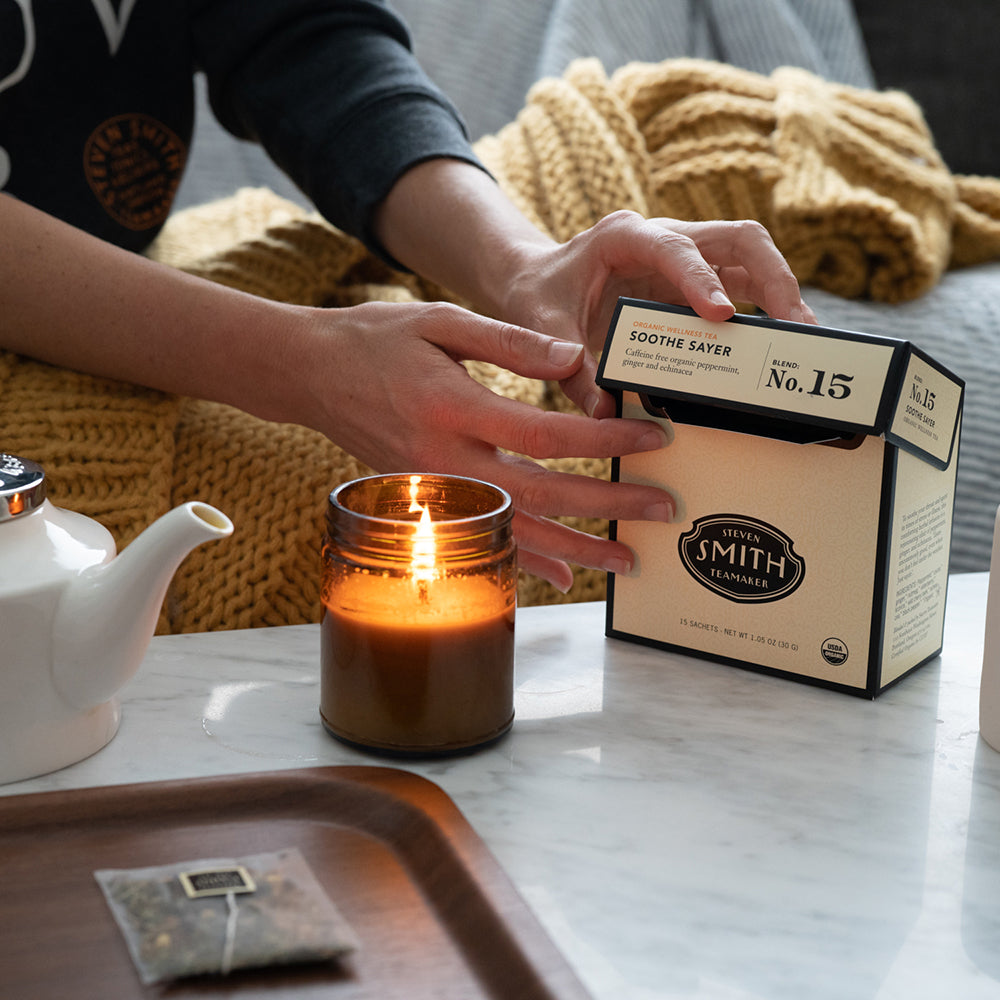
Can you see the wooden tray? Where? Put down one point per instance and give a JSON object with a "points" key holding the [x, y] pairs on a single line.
{"points": [[435, 915]]}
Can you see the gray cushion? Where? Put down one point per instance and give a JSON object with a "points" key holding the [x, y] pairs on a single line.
{"points": [[943, 53]]}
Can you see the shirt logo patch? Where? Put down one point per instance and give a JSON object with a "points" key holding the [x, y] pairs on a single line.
{"points": [[133, 164]]}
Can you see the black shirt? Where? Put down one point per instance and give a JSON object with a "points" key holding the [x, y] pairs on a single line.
{"points": [[97, 103]]}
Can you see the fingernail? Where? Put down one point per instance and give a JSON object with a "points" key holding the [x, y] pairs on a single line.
{"points": [[622, 567], [797, 314], [655, 437], [562, 352], [721, 299], [662, 510], [591, 402]]}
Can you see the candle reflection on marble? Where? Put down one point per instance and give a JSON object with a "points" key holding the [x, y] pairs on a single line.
{"points": [[419, 593]]}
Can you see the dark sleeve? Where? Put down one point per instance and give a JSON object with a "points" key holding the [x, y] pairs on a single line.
{"points": [[332, 91]]}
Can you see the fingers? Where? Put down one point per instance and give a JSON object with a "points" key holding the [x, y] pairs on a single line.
{"points": [[554, 571], [436, 417], [476, 412], [465, 335], [546, 549], [528, 353], [747, 266], [561, 542], [708, 264], [582, 388], [525, 430], [550, 493]]}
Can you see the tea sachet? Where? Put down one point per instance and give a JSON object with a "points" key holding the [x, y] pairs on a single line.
{"points": [[217, 915]]}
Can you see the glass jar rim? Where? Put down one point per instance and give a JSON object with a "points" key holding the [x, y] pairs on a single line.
{"points": [[498, 512]]}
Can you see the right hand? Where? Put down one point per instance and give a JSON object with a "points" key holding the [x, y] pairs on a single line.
{"points": [[385, 381]]}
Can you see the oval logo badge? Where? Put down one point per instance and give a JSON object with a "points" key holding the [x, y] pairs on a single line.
{"points": [[741, 558]]}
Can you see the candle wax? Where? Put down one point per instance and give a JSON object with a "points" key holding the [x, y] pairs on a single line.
{"points": [[409, 673]]}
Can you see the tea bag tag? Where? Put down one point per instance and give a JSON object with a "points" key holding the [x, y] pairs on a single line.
{"points": [[216, 881]]}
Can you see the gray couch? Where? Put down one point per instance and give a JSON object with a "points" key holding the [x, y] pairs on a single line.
{"points": [[486, 56]]}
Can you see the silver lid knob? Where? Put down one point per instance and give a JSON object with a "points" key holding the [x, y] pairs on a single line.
{"points": [[22, 486]]}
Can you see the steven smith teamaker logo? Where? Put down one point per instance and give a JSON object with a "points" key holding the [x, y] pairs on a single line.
{"points": [[741, 558]]}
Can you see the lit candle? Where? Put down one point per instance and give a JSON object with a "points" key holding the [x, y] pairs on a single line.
{"points": [[419, 593]]}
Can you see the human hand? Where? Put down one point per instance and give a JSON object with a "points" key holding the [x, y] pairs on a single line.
{"points": [[570, 290], [385, 381]]}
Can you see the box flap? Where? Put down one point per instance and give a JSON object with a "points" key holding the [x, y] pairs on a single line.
{"points": [[842, 381]]}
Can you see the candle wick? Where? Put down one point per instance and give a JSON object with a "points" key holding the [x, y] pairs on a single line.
{"points": [[422, 591]]}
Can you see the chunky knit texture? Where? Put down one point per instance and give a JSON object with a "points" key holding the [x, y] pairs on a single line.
{"points": [[847, 180]]}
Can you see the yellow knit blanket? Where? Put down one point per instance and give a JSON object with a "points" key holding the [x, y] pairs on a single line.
{"points": [[848, 182]]}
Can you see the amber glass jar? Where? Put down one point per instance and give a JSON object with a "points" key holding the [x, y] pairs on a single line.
{"points": [[419, 593]]}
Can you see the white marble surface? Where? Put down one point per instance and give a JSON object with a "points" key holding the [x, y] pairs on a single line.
{"points": [[681, 828]]}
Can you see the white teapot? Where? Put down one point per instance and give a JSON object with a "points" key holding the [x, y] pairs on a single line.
{"points": [[75, 620]]}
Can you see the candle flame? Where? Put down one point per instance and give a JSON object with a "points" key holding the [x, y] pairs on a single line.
{"points": [[424, 559]]}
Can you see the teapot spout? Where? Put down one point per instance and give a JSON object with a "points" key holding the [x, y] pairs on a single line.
{"points": [[107, 616]]}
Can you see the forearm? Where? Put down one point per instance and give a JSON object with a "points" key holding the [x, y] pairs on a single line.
{"points": [[72, 300], [357, 375], [450, 222]]}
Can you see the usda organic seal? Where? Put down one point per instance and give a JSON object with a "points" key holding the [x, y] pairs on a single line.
{"points": [[834, 651]]}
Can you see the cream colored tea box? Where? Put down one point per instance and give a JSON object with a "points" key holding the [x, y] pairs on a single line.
{"points": [[814, 471]]}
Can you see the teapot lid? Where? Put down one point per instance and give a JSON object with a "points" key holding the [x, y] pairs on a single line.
{"points": [[22, 486]]}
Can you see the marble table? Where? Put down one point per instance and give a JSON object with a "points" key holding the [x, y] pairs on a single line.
{"points": [[681, 828]]}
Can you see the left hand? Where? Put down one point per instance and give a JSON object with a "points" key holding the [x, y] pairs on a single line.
{"points": [[570, 290]]}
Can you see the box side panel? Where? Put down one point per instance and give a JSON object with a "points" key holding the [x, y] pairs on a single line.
{"points": [[928, 411], [917, 579], [718, 580], [890, 456]]}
